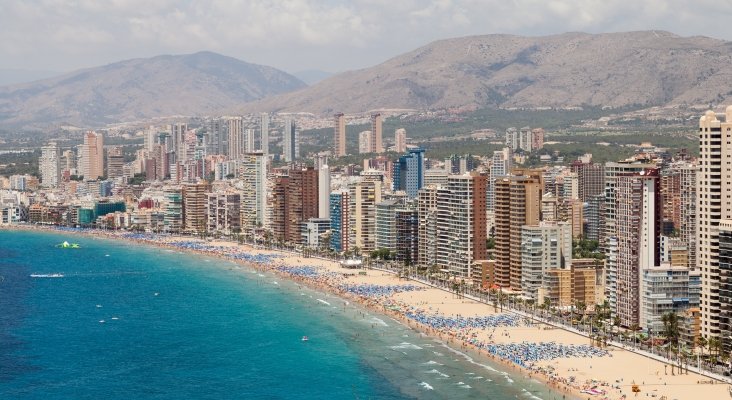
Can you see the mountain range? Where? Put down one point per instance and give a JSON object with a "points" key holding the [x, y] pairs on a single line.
{"points": [[628, 69], [193, 84], [646, 68]]}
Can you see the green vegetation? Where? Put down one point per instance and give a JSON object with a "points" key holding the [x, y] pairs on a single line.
{"points": [[138, 179], [584, 248], [20, 163]]}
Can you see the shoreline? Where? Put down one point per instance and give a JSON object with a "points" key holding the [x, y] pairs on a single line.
{"points": [[553, 378]]}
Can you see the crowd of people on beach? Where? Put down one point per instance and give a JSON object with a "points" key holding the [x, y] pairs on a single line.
{"points": [[203, 247], [437, 321], [521, 353], [377, 291]]}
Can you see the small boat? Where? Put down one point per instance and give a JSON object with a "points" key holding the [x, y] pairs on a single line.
{"points": [[305, 339]]}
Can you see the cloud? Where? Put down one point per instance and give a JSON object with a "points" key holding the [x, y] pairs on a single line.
{"points": [[301, 34]]}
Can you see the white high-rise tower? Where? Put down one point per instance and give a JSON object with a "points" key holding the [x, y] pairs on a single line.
{"points": [[50, 165], [264, 133], [323, 187]]}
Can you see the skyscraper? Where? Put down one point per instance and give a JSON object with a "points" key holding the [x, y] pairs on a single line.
{"points": [[91, 156], [264, 133], [115, 162], [500, 167], [400, 140], [591, 179], [178, 138], [460, 223], [50, 165], [249, 137], [236, 138], [427, 229], [252, 172], [295, 200], [714, 184], [376, 133], [408, 173], [364, 197], [323, 188], [290, 145], [638, 219], [340, 220], [195, 203], [339, 135], [545, 246], [517, 203], [364, 142]]}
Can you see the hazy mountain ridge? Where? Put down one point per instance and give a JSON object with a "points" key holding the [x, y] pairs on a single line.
{"points": [[192, 84], [573, 69]]}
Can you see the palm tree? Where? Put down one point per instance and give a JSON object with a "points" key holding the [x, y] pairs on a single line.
{"points": [[701, 343], [671, 331]]}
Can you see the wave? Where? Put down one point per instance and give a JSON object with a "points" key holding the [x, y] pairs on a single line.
{"points": [[430, 362], [378, 321], [46, 275], [531, 395], [426, 386], [323, 301], [405, 345], [434, 371]]}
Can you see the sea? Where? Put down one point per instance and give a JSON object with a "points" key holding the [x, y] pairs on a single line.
{"points": [[119, 320]]}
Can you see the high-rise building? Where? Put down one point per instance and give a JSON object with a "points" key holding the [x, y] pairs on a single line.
{"points": [[460, 224], [537, 138], [291, 147], [400, 140], [249, 137], [252, 175], [364, 142], [323, 188], [177, 144], [688, 211], [406, 227], [69, 160], [223, 212], [427, 229], [91, 156], [264, 133], [500, 167], [591, 178], [667, 289], [194, 206], [217, 136], [543, 247], [408, 172], [236, 138], [638, 218], [173, 220], [339, 140], [517, 203], [724, 316], [115, 162], [364, 197], [294, 201], [714, 184], [670, 187], [377, 133], [340, 220], [386, 224], [50, 165]]}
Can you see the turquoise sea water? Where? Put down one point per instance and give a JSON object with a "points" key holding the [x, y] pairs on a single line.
{"points": [[179, 326]]}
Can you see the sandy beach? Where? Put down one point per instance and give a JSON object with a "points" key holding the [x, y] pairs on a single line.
{"points": [[564, 360]]}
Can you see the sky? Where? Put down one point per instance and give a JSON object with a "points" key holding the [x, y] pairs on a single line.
{"points": [[328, 35]]}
